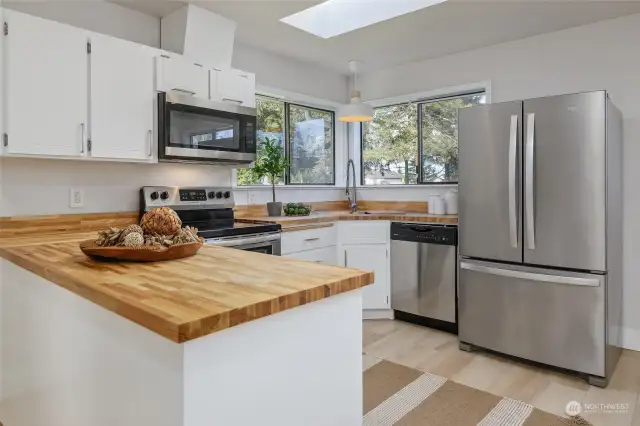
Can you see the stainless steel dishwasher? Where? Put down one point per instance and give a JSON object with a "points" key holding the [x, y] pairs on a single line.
{"points": [[424, 274]]}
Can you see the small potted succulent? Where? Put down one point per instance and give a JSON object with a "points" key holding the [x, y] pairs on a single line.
{"points": [[272, 164]]}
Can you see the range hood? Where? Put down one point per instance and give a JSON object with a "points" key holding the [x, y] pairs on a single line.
{"points": [[200, 35]]}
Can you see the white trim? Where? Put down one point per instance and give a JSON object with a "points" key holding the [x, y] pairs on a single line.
{"points": [[296, 98], [376, 314], [287, 187], [442, 92], [412, 186], [630, 338]]}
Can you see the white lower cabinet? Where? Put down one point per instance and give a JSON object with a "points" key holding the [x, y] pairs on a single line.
{"points": [[374, 257], [365, 245], [325, 255]]}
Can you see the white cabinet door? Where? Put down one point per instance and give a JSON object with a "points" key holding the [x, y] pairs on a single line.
{"points": [[174, 72], [371, 258], [234, 86], [122, 99], [45, 87]]}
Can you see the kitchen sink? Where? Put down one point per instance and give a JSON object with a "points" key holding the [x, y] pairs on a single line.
{"points": [[376, 212]]}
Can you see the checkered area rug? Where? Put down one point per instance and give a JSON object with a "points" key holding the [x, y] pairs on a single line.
{"points": [[399, 395]]}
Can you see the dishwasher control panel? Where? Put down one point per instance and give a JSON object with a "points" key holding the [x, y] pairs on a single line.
{"points": [[424, 233]]}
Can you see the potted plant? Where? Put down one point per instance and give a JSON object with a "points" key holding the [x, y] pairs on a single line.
{"points": [[272, 164]]}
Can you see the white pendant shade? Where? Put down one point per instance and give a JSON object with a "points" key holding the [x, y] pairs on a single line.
{"points": [[355, 111]]}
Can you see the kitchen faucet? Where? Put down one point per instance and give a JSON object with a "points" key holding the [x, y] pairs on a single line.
{"points": [[352, 202]]}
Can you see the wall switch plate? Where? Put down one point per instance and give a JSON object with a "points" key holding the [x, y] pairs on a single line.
{"points": [[76, 198]]}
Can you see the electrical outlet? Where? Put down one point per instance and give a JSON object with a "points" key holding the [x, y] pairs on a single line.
{"points": [[76, 198]]}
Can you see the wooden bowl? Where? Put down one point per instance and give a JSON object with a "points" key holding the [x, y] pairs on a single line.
{"points": [[139, 254]]}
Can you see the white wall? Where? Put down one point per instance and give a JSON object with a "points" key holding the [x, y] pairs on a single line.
{"points": [[603, 55], [290, 74], [36, 187], [99, 16]]}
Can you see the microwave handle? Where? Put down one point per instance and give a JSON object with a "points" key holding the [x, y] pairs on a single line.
{"points": [[232, 100]]}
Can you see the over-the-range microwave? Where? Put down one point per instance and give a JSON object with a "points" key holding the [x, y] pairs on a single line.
{"points": [[198, 130]]}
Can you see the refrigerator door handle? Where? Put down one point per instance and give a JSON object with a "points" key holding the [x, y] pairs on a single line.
{"points": [[529, 177], [532, 276], [513, 152]]}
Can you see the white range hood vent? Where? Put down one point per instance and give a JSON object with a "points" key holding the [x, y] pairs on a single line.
{"points": [[199, 35]]}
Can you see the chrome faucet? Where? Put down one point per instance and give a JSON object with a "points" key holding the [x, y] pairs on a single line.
{"points": [[352, 202]]}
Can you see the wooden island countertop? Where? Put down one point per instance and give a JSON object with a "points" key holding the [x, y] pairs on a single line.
{"points": [[184, 299]]}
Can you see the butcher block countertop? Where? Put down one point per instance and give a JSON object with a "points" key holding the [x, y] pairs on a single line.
{"points": [[333, 216], [184, 299]]}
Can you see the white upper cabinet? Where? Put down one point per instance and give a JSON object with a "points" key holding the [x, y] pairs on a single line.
{"points": [[174, 72], [235, 86], [122, 99], [45, 86]]}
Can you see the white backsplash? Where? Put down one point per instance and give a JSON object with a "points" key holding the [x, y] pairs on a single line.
{"points": [[39, 186]]}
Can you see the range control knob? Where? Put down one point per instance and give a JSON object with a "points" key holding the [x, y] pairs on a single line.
{"points": [[227, 194], [154, 195], [218, 195], [164, 195], [211, 195]]}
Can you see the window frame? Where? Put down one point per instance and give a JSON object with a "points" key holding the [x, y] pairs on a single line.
{"points": [[287, 142], [419, 102]]}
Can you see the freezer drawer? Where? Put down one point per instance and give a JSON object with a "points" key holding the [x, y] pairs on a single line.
{"points": [[548, 316]]}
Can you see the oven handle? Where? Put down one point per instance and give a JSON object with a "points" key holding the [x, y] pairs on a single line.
{"points": [[242, 241]]}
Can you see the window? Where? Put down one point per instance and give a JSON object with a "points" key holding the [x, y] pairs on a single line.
{"points": [[309, 146], [402, 137]]}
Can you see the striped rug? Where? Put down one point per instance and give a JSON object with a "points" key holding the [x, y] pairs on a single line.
{"points": [[399, 395]]}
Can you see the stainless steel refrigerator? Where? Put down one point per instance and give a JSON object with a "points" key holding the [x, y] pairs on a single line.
{"points": [[540, 231]]}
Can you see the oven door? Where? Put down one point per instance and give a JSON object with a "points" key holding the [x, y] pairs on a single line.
{"points": [[198, 130], [268, 243]]}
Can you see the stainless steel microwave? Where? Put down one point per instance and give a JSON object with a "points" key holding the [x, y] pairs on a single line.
{"points": [[198, 130]]}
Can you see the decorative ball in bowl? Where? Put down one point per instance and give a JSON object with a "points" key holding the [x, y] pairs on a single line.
{"points": [[296, 209]]}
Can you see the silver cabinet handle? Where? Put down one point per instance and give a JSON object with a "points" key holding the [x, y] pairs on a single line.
{"points": [[532, 276], [149, 138], [311, 239], [346, 264], [529, 176], [232, 100], [513, 161], [188, 92], [81, 138]]}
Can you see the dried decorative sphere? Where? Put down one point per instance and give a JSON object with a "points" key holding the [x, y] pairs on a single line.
{"points": [[129, 229], [133, 239], [163, 221]]}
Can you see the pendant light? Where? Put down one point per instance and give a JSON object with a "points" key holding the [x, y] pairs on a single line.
{"points": [[356, 111]]}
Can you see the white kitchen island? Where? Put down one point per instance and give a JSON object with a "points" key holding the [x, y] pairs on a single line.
{"points": [[84, 343]]}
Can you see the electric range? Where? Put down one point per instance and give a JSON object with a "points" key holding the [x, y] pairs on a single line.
{"points": [[210, 209]]}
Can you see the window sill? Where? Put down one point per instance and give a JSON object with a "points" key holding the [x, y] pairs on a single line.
{"points": [[410, 186], [285, 187]]}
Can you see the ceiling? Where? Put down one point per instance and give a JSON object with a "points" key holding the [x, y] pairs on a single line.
{"points": [[443, 29]]}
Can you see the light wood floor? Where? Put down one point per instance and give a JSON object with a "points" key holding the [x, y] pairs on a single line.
{"points": [[437, 352]]}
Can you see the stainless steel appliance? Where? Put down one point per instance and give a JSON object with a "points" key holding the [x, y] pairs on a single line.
{"points": [[210, 209], [198, 130], [423, 274], [540, 194]]}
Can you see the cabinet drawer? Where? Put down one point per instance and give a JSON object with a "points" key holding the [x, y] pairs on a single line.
{"points": [[325, 255], [364, 232], [308, 240]]}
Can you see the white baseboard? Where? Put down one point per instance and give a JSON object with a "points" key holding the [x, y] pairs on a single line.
{"points": [[373, 314], [630, 338]]}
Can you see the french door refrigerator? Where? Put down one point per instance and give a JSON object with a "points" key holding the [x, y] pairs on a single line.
{"points": [[540, 231]]}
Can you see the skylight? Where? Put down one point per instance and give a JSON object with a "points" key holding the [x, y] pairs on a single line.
{"points": [[335, 17]]}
